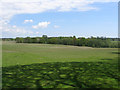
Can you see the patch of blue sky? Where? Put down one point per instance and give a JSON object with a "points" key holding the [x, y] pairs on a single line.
{"points": [[101, 22]]}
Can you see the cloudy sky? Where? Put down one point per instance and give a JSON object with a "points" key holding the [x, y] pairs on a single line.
{"points": [[82, 18]]}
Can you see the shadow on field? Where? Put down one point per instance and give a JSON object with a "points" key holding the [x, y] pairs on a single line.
{"points": [[61, 75], [107, 59], [115, 52]]}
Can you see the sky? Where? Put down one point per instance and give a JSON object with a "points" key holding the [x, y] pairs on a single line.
{"points": [[82, 18]]}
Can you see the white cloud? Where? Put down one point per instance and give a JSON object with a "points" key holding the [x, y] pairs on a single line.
{"points": [[37, 32], [41, 25], [8, 30], [14, 26], [9, 8], [26, 21], [56, 26], [13, 7]]}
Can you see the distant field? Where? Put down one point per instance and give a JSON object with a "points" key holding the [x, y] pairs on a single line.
{"points": [[22, 54], [59, 66]]}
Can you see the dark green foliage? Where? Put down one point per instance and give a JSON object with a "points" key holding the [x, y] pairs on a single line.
{"points": [[20, 40], [44, 37], [7, 39], [91, 42], [62, 75]]}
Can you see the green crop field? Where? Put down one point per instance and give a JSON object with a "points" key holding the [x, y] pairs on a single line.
{"points": [[58, 66]]}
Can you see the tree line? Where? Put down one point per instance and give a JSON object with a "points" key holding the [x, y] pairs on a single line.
{"points": [[81, 41]]}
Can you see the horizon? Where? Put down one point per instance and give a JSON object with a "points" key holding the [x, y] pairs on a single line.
{"points": [[57, 36], [59, 18]]}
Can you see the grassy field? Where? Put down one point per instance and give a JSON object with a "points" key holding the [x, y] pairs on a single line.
{"points": [[23, 54], [58, 66]]}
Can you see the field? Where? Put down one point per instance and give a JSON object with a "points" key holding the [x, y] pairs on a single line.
{"points": [[58, 66]]}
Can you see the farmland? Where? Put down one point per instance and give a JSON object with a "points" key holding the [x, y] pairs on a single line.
{"points": [[58, 66]]}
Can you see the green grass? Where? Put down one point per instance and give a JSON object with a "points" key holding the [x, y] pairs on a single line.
{"points": [[22, 54], [59, 66], [62, 75]]}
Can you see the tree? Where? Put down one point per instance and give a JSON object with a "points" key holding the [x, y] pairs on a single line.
{"points": [[27, 40], [91, 42], [74, 40], [44, 39], [19, 40]]}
